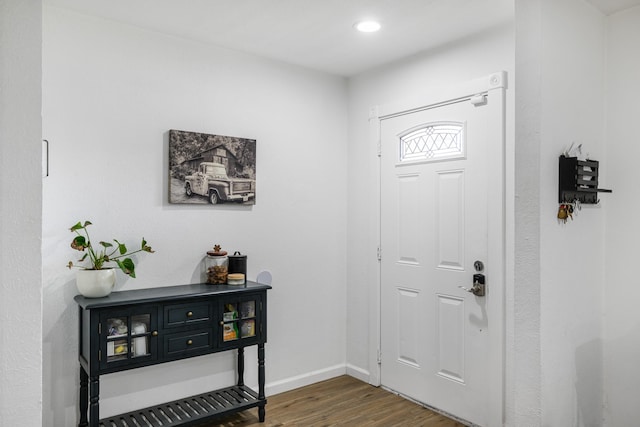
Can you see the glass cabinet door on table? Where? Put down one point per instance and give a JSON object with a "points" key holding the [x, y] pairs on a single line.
{"points": [[128, 337], [240, 323]]}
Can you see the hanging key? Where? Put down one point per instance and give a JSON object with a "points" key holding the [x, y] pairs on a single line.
{"points": [[563, 213]]}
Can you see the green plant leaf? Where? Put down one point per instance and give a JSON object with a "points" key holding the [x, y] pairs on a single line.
{"points": [[127, 266], [106, 244], [121, 247], [86, 223], [76, 227], [146, 247], [79, 243], [84, 257]]}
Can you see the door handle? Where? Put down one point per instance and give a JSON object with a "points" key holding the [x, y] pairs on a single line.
{"points": [[479, 288]]}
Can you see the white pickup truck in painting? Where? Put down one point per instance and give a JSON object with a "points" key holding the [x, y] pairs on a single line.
{"points": [[211, 180]]}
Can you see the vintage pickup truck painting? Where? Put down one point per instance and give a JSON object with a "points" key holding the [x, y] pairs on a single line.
{"points": [[213, 169]]}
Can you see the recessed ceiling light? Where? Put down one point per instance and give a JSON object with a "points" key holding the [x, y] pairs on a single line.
{"points": [[367, 26]]}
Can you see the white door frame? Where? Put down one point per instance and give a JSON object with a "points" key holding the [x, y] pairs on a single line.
{"points": [[494, 86]]}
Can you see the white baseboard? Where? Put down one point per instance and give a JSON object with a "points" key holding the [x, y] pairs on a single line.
{"points": [[298, 381], [315, 377], [358, 373]]}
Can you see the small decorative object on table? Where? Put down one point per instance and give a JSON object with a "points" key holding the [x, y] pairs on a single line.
{"points": [[98, 280], [237, 269], [217, 266], [235, 279]]}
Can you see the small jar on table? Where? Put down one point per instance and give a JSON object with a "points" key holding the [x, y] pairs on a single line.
{"points": [[217, 266]]}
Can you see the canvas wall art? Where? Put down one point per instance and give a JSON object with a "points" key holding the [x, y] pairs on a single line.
{"points": [[213, 169]]}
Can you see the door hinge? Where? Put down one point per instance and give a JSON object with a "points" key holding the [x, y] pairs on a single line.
{"points": [[379, 254], [100, 356], [379, 357], [99, 328]]}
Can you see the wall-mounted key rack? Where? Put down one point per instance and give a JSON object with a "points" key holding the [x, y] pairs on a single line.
{"points": [[578, 181]]}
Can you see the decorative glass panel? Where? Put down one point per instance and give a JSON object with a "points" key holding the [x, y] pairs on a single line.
{"points": [[248, 309], [248, 328], [434, 141]]}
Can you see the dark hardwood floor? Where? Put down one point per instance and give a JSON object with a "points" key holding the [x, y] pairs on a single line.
{"points": [[341, 401]]}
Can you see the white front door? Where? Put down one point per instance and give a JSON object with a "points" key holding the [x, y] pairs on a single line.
{"points": [[437, 178]]}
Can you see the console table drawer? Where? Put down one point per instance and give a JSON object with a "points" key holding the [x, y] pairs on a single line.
{"points": [[187, 342], [185, 314]]}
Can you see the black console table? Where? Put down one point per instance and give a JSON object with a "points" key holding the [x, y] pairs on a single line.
{"points": [[132, 329]]}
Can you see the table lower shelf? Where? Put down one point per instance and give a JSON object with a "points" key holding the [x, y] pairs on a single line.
{"points": [[189, 411]]}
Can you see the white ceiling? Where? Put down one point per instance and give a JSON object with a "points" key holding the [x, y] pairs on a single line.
{"points": [[609, 7], [317, 34]]}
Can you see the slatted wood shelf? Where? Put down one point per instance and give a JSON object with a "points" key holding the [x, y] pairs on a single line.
{"points": [[190, 411]]}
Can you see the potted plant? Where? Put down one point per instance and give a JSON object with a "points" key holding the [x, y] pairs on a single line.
{"points": [[97, 280]]}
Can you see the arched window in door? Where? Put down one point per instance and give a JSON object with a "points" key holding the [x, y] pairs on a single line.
{"points": [[432, 142]]}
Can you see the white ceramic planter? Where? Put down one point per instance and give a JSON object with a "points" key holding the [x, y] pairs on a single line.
{"points": [[96, 283]]}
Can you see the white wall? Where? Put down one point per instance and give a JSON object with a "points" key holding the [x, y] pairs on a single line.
{"points": [[460, 61], [622, 321], [572, 48], [20, 213], [111, 93], [522, 400]]}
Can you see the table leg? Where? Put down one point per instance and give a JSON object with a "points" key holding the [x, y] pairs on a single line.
{"points": [[261, 380], [84, 397], [241, 366], [94, 401]]}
